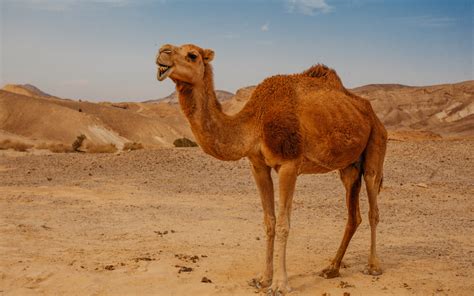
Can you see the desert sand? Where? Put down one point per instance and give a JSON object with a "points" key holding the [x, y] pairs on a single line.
{"points": [[157, 222]]}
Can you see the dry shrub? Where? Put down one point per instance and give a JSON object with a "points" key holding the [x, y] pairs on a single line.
{"points": [[130, 146], [78, 142], [184, 142], [55, 147], [101, 148], [15, 145]]}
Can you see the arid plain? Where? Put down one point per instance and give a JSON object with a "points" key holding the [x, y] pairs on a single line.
{"points": [[174, 221]]}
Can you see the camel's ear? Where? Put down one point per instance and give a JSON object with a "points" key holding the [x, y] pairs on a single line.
{"points": [[208, 55]]}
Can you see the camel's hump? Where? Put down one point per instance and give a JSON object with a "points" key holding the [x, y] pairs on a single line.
{"points": [[325, 74]]}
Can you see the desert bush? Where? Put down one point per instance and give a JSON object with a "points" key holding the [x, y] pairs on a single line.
{"points": [[130, 146], [78, 142], [55, 147], [101, 148], [184, 142], [15, 145]]}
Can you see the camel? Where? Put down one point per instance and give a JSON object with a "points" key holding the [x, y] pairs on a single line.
{"points": [[305, 123]]}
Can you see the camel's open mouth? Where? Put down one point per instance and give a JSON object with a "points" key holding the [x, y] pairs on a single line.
{"points": [[164, 71]]}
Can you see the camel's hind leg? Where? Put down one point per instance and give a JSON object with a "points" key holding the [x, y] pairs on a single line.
{"points": [[373, 174], [351, 177]]}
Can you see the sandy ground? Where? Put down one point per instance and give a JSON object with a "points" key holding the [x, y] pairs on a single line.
{"points": [[157, 222]]}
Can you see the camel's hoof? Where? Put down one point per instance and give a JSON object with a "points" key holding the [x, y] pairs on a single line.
{"points": [[260, 283], [372, 270], [278, 289], [329, 273], [271, 292]]}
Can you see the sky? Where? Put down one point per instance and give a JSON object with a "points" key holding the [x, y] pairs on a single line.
{"points": [[105, 49]]}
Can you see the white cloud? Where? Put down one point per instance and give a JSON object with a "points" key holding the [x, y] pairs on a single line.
{"points": [[265, 27], [309, 7], [61, 5]]}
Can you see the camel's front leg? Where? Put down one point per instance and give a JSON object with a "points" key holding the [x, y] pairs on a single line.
{"points": [[262, 175], [287, 180]]}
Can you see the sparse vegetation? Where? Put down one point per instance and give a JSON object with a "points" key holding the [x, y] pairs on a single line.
{"points": [[130, 146], [78, 142], [55, 147], [15, 145], [101, 148], [184, 142]]}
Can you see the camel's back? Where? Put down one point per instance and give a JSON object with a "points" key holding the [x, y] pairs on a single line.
{"points": [[303, 115]]}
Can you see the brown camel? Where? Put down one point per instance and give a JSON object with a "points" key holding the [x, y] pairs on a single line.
{"points": [[305, 123]]}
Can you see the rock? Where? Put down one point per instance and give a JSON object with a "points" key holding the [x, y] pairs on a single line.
{"points": [[422, 185], [343, 284], [205, 280]]}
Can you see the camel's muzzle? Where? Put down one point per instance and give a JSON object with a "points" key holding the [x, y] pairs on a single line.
{"points": [[163, 71], [165, 67]]}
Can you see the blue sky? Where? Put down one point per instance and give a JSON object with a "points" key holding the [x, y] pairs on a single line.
{"points": [[105, 49]]}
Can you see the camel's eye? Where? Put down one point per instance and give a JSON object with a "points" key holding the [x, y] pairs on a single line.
{"points": [[192, 56]]}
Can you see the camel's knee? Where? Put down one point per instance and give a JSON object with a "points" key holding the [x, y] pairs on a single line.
{"points": [[374, 217], [270, 226], [282, 231], [373, 181], [369, 177]]}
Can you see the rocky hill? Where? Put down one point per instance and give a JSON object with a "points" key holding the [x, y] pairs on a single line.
{"points": [[27, 90], [31, 115], [53, 120], [446, 109]]}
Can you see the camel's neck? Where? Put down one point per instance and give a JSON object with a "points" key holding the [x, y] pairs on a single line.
{"points": [[222, 136]]}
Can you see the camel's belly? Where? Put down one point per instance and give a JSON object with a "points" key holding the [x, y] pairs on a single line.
{"points": [[310, 167]]}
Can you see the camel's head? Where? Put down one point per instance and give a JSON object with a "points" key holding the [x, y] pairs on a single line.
{"points": [[184, 63]]}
